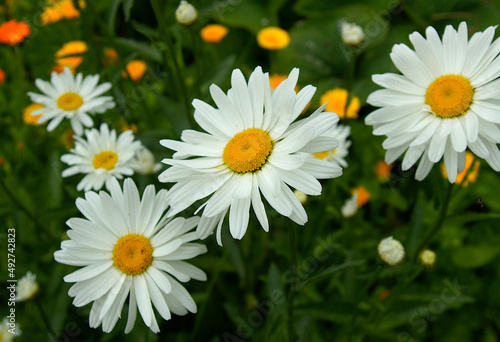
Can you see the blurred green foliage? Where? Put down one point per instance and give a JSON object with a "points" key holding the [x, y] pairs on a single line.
{"points": [[344, 291]]}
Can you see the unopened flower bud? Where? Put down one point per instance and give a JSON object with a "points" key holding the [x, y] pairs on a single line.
{"points": [[301, 196], [427, 258], [391, 251], [27, 287], [186, 14], [352, 34]]}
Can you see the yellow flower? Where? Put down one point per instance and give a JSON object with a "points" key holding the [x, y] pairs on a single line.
{"points": [[31, 119], [76, 47], [466, 176], [213, 33], [337, 102], [273, 38], [62, 9], [136, 69]]}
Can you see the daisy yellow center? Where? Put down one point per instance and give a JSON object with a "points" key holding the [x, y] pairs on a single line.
{"points": [[69, 101], [323, 155], [133, 254], [449, 96], [248, 151], [105, 160]]}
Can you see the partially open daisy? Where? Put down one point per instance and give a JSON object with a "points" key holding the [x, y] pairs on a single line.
{"points": [[71, 97], [337, 155], [128, 248], [102, 156], [251, 147], [446, 100]]}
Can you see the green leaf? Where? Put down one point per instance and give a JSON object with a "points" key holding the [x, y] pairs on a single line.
{"points": [[329, 271], [474, 256], [471, 217], [127, 7], [141, 48]]}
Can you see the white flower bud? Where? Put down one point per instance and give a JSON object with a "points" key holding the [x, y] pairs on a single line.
{"points": [[144, 162], [350, 206], [27, 287], [391, 251], [427, 258], [186, 14], [352, 34]]}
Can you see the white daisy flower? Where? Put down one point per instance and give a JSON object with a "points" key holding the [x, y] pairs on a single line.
{"points": [[128, 248], [251, 147], [71, 97], [27, 287], [337, 155], [447, 99], [102, 156]]}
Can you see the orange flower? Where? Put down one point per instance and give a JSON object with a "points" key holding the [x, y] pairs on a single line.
{"points": [[363, 195], [337, 102], [136, 69], [110, 57], [76, 47], [276, 79], [466, 176], [31, 119], [383, 171], [2, 76], [63, 9], [273, 38], [213, 33], [13, 32]]}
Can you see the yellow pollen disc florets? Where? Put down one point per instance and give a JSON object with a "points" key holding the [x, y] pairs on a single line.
{"points": [[105, 160], [69, 101], [324, 154], [133, 254], [248, 151], [449, 96]]}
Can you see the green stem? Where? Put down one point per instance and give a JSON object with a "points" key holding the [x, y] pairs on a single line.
{"points": [[361, 297], [291, 290], [173, 59], [44, 315], [439, 221]]}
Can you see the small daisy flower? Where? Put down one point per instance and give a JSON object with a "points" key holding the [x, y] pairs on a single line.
{"points": [[101, 157], [71, 97], [337, 155], [445, 101], [251, 148], [129, 249], [27, 287]]}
